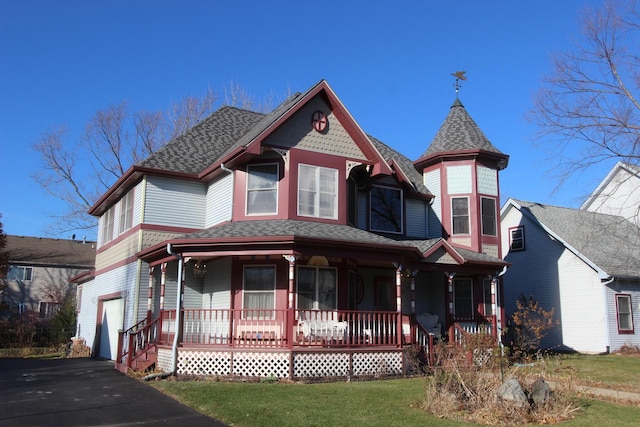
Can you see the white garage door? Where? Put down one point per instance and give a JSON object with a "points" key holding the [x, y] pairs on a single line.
{"points": [[112, 322]]}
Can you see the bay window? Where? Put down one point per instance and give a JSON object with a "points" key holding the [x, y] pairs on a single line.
{"points": [[489, 224], [317, 192], [386, 209], [460, 215], [262, 189]]}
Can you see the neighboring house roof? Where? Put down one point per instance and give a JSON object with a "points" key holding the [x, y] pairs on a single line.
{"points": [[459, 134], [40, 251], [610, 244]]}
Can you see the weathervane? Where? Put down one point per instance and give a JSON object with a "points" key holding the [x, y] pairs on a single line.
{"points": [[459, 75]]}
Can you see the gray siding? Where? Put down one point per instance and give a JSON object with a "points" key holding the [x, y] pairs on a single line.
{"points": [[217, 285], [617, 340], [174, 203], [416, 218], [219, 200]]}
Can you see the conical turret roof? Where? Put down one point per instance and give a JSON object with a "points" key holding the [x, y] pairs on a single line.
{"points": [[459, 133]]}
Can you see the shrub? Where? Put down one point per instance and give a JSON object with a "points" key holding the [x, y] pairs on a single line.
{"points": [[528, 325]]}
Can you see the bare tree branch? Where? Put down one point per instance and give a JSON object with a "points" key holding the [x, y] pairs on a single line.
{"points": [[589, 102]]}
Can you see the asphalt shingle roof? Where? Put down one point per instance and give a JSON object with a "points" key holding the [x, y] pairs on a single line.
{"points": [[51, 252], [459, 132], [286, 227], [403, 162], [611, 242], [202, 145]]}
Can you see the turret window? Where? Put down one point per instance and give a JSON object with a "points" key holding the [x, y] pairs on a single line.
{"points": [[489, 227], [460, 215]]}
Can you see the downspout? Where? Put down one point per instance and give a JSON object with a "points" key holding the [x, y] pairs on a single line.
{"points": [[606, 310], [174, 348]]}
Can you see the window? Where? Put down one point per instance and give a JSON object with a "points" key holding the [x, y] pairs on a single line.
{"points": [[463, 298], [262, 189], [516, 236], [386, 209], [316, 288], [48, 309], [107, 226], [460, 215], [259, 291], [126, 212], [488, 207], [625, 315], [487, 302], [317, 192], [19, 273]]}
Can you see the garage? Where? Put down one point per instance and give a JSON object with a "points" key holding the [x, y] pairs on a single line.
{"points": [[112, 321]]}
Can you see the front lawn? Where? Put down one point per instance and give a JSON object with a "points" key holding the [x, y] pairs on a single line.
{"points": [[374, 403]]}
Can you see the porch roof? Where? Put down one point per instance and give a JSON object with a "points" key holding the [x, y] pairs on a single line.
{"points": [[271, 237]]}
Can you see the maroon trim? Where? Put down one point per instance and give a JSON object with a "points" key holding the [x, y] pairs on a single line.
{"points": [[98, 332], [118, 264]]}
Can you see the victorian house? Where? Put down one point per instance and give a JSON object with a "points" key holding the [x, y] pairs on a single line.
{"points": [[294, 244]]}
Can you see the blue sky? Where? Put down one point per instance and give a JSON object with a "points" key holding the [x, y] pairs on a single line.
{"points": [[389, 62]]}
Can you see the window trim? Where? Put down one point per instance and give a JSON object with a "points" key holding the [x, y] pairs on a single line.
{"points": [[317, 193], [495, 216], [630, 330], [248, 190], [386, 187], [453, 232], [511, 239], [107, 229]]}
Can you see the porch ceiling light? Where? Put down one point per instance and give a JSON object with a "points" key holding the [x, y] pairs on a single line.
{"points": [[199, 269], [318, 261]]}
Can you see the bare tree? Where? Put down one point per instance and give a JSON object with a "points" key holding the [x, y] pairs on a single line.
{"points": [[78, 170], [589, 103]]}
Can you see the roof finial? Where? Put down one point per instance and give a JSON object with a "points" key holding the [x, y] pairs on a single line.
{"points": [[459, 75]]}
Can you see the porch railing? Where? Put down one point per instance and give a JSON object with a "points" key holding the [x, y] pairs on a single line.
{"points": [[133, 342], [283, 328], [472, 327]]}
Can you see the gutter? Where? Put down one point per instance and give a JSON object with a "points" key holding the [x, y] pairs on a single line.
{"points": [[176, 337]]}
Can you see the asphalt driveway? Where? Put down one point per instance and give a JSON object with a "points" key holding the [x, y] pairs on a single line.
{"points": [[84, 392]]}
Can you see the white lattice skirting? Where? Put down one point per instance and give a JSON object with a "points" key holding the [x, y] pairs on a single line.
{"points": [[276, 364]]}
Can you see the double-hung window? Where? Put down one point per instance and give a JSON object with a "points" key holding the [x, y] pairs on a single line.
{"points": [[625, 314], [516, 235], [126, 212], [489, 223], [259, 289], [317, 191], [386, 209], [460, 215], [106, 232], [262, 189], [317, 288]]}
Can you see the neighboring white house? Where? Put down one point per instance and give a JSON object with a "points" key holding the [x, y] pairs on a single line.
{"points": [[584, 262]]}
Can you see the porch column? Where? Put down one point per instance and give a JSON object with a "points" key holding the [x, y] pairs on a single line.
{"points": [[288, 333], [398, 287], [163, 282], [450, 297], [150, 295], [292, 277], [495, 308], [413, 273]]}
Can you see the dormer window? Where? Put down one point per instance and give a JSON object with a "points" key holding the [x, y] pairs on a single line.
{"points": [[460, 215], [262, 189], [317, 192], [386, 209]]}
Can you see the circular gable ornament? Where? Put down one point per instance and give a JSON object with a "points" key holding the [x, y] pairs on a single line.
{"points": [[319, 121]]}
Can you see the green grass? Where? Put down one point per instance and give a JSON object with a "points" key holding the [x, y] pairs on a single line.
{"points": [[373, 403], [607, 371]]}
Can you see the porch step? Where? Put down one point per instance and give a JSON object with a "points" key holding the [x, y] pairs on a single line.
{"points": [[145, 360]]}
